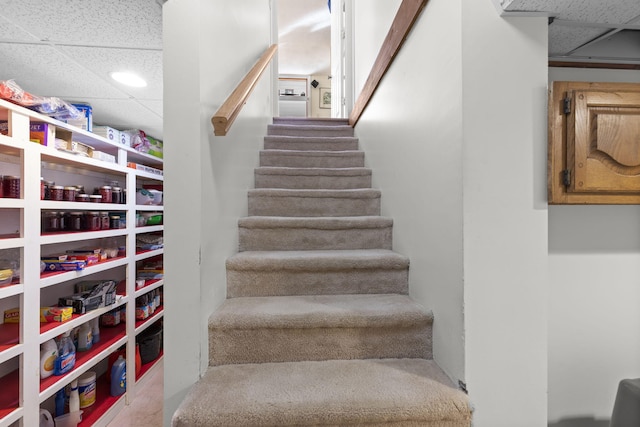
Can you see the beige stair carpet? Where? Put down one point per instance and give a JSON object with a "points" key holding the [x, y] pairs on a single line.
{"points": [[318, 328]]}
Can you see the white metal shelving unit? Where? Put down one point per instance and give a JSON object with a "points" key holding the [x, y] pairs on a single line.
{"points": [[23, 392]]}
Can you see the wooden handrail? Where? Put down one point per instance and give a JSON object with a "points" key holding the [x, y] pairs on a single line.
{"points": [[227, 113], [402, 24]]}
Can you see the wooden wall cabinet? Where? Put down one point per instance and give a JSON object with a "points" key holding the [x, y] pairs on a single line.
{"points": [[594, 143]]}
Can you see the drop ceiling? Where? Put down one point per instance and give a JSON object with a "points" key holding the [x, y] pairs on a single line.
{"points": [[67, 49]]}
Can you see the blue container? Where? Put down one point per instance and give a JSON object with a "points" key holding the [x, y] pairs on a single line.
{"points": [[119, 377]]}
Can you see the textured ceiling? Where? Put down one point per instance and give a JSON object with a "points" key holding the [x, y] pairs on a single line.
{"points": [[587, 30], [67, 48], [304, 33]]}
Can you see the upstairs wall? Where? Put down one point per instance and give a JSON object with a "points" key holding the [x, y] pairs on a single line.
{"points": [[209, 45]]}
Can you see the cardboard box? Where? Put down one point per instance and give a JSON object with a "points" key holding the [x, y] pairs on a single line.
{"points": [[12, 315], [52, 265], [113, 135], [125, 139], [81, 303], [38, 131], [55, 314], [86, 121], [102, 156]]}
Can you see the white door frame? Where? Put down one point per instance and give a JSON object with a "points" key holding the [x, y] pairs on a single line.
{"points": [[342, 70]]}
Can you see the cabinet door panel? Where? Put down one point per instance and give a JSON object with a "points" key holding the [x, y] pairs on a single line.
{"points": [[603, 141]]}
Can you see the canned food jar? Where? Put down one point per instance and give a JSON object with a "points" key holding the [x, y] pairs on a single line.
{"points": [[42, 188], [91, 221], [69, 194], [11, 186], [95, 198], [114, 222], [1, 186], [79, 189], [104, 220], [48, 185], [116, 195], [57, 193], [106, 193], [73, 221], [51, 221], [82, 198]]}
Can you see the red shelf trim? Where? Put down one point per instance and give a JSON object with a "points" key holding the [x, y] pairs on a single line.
{"points": [[104, 402], [151, 318], [147, 366], [47, 274], [10, 396]]}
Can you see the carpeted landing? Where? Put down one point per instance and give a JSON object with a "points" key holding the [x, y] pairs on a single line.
{"points": [[318, 329]]}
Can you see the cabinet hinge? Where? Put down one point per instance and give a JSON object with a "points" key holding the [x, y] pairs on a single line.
{"points": [[566, 177], [566, 105]]}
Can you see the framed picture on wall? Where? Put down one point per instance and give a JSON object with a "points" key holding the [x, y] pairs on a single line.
{"points": [[325, 97]]}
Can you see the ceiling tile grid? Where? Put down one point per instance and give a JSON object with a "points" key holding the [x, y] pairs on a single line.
{"points": [[597, 11]]}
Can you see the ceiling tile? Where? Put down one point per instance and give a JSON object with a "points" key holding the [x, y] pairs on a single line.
{"points": [[145, 63], [155, 106], [597, 11], [127, 114], [564, 39], [133, 23], [45, 71], [10, 32]]}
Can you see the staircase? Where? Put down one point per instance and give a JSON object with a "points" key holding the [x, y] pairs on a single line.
{"points": [[318, 328]]}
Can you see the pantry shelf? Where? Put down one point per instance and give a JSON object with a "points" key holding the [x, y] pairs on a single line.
{"points": [[104, 403], [9, 416], [11, 203], [110, 340], [60, 157], [11, 241], [144, 254], [150, 229], [9, 336], [10, 397], [49, 278], [148, 369], [150, 208], [81, 206], [149, 286], [141, 325], [11, 290], [51, 330], [64, 237]]}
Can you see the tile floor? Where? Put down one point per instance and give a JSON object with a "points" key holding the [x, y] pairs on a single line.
{"points": [[146, 408]]}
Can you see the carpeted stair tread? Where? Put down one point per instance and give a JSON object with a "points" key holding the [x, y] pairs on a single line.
{"points": [[313, 202], [312, 159], [310, 121], [310, 130], [312, 178], [327, 260], [381, 392], [319, 311], [318, 327], [318, 143], [267, 233]]}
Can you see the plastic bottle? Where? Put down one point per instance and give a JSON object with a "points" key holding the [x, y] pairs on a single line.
{"points": [[48, 355], [119, 377], [66, 355], [95, 330], [85, 339], [74, 397], [61, 397]]}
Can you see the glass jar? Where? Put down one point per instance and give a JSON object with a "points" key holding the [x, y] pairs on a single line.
{"points": [[95, 198], [84, 198], [1, 186], [104, 220], [79, 189], [106, 193], [69, 194], [48, 185], [57, 193], [73, 221], [114, 221], [42, 188], [92, 221], [51, 221], [116, 195], [11, 186]]}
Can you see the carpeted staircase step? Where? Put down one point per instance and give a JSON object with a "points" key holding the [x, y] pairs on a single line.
{"points": [[312, 159], [310, 143], [318, 327], [297, 203], [310, 178], [310, 130], [387, 392], [273, 273], [316, 121], [275, 233]]}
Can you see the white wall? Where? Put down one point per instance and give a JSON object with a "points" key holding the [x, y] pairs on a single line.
{"points": [[457, 145], [594, 315], [412, 135], [314, 97], [207, 177], [505, 215]]}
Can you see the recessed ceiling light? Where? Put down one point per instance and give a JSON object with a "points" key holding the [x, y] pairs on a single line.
{"points": [[128, 79]]}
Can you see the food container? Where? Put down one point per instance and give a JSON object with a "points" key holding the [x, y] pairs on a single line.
{"points": [[87, 389], [7, 271], [150, 342], [11, 187], [95, 198], [69, 194], [104, 220], [92, 221], [56, 193], [144, 197], [152, 218], [106, 193], [73, 221], [84, 198], [157, 196], [51, 221], [116, 195]]}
